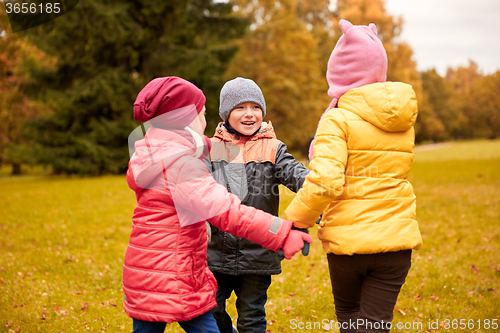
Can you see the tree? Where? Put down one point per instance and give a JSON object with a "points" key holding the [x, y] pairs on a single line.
{"points": [[16, 54], [443, 99], [462, 80], [281, 55], [428, 125], [401, 66], [483, 107], [319, 20], [106, 52]]}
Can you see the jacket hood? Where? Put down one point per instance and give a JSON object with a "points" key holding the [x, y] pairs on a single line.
{"points": [[266, 131], [390, 106], [156, 152]]}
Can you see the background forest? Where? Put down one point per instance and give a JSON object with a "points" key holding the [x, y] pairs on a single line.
{"points": [[67, 87]]}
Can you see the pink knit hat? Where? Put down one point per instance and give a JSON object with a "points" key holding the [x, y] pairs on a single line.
{"points": [[176, 100], [359, 58]]}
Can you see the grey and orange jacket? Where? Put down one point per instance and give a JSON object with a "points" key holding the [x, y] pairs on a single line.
{"points": [[252, 168], [165, 274]]}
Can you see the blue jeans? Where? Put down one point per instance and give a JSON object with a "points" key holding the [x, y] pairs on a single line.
{"points": [[251, 297], [201, 324]]}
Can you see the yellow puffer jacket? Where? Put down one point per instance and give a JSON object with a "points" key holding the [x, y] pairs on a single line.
{"points": [[362, 155]]}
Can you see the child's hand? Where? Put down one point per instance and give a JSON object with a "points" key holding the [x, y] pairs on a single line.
{"points": [[295, 242], [305, 249]]}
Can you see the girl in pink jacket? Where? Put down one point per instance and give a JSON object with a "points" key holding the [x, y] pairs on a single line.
{"points": [[165, 275]]}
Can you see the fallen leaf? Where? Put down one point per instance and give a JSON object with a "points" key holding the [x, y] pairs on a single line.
{"points": [[474, 268], [401, 311], [293, 294], [434, 298], [418, 297], [85, 306], [287, 309]]}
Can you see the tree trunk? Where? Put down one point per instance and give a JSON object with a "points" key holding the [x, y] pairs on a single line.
{"points": [[16, 168]]}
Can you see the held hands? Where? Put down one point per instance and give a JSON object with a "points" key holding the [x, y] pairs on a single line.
{"points": [[298, 239]]}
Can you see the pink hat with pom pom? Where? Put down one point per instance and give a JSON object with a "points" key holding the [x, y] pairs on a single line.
{"points": [[359, 58]]}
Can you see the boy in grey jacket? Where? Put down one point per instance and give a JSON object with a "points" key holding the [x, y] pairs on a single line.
{"points": [[251, 162]]}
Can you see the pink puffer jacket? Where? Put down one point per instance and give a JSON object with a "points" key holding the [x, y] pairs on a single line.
{"points": [[165, 275]]}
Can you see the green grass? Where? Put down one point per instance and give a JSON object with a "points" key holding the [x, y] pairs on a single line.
{"points": [[63, 239], [62, 243]]}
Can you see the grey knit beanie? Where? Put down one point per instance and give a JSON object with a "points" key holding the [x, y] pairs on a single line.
{"points": [[237, 91]]}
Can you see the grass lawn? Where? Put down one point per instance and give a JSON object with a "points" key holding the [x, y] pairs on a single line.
{"points": [[63, 239]]}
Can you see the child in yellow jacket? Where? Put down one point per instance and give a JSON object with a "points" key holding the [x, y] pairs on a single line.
{"points": [[362, 154]]}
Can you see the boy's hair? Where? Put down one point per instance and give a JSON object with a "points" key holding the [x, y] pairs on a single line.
{"points": [[359, 58], [237, 91]]}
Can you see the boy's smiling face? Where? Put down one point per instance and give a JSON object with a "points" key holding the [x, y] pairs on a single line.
{"points": [[246, 118]]}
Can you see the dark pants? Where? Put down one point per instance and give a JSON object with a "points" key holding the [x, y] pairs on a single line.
{"points": [[201, 324], [251, 297], [366, 287]]}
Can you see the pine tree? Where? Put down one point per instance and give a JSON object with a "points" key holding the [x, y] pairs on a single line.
{"points": [[106, 52]]}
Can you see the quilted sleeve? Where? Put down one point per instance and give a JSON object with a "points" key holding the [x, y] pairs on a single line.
{"points": [[198, 197], [326, 178], [289, 172]]}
